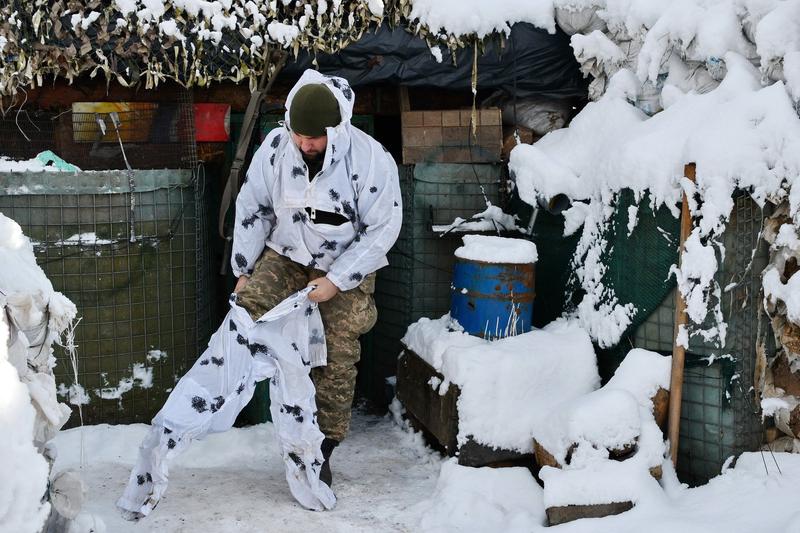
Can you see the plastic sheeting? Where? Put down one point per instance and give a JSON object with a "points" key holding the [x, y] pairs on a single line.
{"points": [[544, 64]]}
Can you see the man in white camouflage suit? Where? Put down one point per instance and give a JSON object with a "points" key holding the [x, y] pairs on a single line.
{"points": [[320, 206]]}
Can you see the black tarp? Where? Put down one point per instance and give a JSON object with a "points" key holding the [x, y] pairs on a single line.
{"points": [[533, 61]]}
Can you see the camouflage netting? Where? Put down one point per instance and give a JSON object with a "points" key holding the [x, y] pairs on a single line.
{"points": [[193, 42]]}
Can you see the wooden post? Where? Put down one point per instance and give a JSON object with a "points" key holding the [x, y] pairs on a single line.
{"points": [[679, 352], [405, 102]]}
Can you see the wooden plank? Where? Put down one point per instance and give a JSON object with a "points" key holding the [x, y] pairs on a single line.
{"points": [[476, 455], [413, 137], [679, 352], [466, 117], [405, 102], [438, 413], [456, 154], [425, 136], [568, 513]]}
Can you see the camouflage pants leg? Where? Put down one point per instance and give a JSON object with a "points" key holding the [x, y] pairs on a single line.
{"points": [[274, 279], [346, 317]]}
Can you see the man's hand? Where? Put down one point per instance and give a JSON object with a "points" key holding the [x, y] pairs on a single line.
{"points": [[324, 291], [242, 281]]}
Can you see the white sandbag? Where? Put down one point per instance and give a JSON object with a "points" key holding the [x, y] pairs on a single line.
{"points": [[584, 20], [542, 115]]}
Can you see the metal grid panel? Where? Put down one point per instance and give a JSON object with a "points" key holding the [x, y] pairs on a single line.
{"points": [[131, 297], [707, 433], [719, 415], [438, 194], [417, 281], [161, 136]]}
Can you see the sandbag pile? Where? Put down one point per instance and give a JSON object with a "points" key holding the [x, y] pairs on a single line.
{"points": [[680, 45], [780, 376], [33, 316]]}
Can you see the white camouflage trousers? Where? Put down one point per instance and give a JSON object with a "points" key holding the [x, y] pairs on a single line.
{"points": [[279, 346]]}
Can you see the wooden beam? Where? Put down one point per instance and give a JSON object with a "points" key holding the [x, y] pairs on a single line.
{"points": [[405, 103], [679, 352]]}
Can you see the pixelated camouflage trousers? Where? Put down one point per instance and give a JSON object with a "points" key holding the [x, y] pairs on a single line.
{"points": [[346, 316]]}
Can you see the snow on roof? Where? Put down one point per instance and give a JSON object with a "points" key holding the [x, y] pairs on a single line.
{"points": [[507, 386], [461, 18]]}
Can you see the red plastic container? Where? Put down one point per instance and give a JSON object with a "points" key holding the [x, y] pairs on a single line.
{"points": [[212, 122]]}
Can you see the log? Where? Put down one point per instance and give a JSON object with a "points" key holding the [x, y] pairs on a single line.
{"points": [[543, 457], [661, 407], [568, 513], [790, 337], [656, 471], [474, 454]]}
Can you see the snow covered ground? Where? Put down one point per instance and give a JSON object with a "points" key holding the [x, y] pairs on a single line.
{"points": [[386, 480], [235, 481]]}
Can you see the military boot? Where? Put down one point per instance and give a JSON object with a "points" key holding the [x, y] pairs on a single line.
{"points": [[327, 447]]}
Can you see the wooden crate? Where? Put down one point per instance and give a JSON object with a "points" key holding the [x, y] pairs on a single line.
{"points": [[429, 411], [445, 136], [437, 415]]}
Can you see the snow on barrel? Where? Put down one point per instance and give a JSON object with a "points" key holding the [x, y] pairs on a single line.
{"points": [[493, 286]]}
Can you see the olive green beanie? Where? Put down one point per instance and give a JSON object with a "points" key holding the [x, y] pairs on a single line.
{"points": [[313, 109]]}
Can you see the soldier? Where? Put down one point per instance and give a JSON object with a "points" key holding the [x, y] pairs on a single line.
{"points": [[320, 206]]}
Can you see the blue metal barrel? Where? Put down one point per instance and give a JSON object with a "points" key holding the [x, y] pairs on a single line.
{"points": [[492, 300]]}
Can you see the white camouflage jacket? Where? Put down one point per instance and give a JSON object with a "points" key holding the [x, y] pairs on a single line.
{"points": [[358, 179]]}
